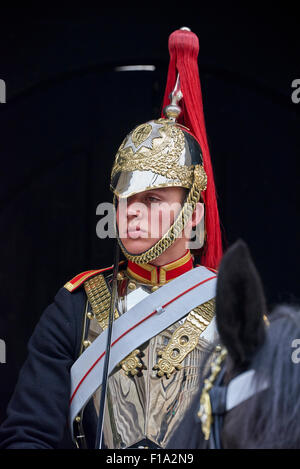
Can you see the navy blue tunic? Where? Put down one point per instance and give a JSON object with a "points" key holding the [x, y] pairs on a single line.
{"points": [[38, 410]]}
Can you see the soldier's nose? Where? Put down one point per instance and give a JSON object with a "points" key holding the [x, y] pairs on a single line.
{"points": [[135, 209]]}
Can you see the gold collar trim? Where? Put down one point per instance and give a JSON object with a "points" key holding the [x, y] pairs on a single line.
{"points": [[159, 275]]}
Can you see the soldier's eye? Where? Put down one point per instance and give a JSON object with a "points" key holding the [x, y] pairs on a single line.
{"points": [[153, 199]]}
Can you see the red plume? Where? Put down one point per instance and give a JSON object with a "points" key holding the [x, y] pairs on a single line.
{"points": [[184, 48]]}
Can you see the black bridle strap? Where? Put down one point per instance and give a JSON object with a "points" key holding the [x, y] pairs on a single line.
{"points": [[218, 406]]}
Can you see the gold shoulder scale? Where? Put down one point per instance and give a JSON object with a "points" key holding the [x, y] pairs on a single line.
{"points": [[99, 297]]}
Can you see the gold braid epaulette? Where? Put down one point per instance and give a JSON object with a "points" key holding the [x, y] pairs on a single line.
{"points": [[99, 297], [185, 339]]}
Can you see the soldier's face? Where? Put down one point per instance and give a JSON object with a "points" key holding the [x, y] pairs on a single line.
{"points": [[145, 217]]}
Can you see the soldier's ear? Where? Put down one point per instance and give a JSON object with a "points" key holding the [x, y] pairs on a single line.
{"points": [[240, 305], [198, 214]]}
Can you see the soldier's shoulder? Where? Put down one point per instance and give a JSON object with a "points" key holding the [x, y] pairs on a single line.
{"points": [[76, 282], [215, 271]]}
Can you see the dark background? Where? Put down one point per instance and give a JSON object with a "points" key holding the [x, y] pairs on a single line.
{"points": [[68, 110]]}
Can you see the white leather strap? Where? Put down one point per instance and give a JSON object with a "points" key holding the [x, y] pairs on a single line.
{"points": [[243, 387]]}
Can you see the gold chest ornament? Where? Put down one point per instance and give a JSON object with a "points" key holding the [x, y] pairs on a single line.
{"points": [[183, 340], [148, 395]]}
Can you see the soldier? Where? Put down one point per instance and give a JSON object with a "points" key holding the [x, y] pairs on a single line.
{"points": [[162, 302]]}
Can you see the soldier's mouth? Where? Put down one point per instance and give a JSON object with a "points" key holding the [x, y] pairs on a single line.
{"points": [[136, 232]]}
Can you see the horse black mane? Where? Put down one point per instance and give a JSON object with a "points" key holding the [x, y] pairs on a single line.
{"points": [[270, 419]]}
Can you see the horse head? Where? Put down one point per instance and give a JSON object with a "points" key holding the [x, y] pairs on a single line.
{"points": [[250, 397]]}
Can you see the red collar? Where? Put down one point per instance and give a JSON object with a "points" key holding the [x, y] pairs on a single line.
{"points": [[154, 275]]}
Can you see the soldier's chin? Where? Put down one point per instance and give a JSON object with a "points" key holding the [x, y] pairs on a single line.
{"points": [[138, 246]]}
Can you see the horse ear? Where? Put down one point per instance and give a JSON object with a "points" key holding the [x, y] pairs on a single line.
{"points": [[240, 305]]}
